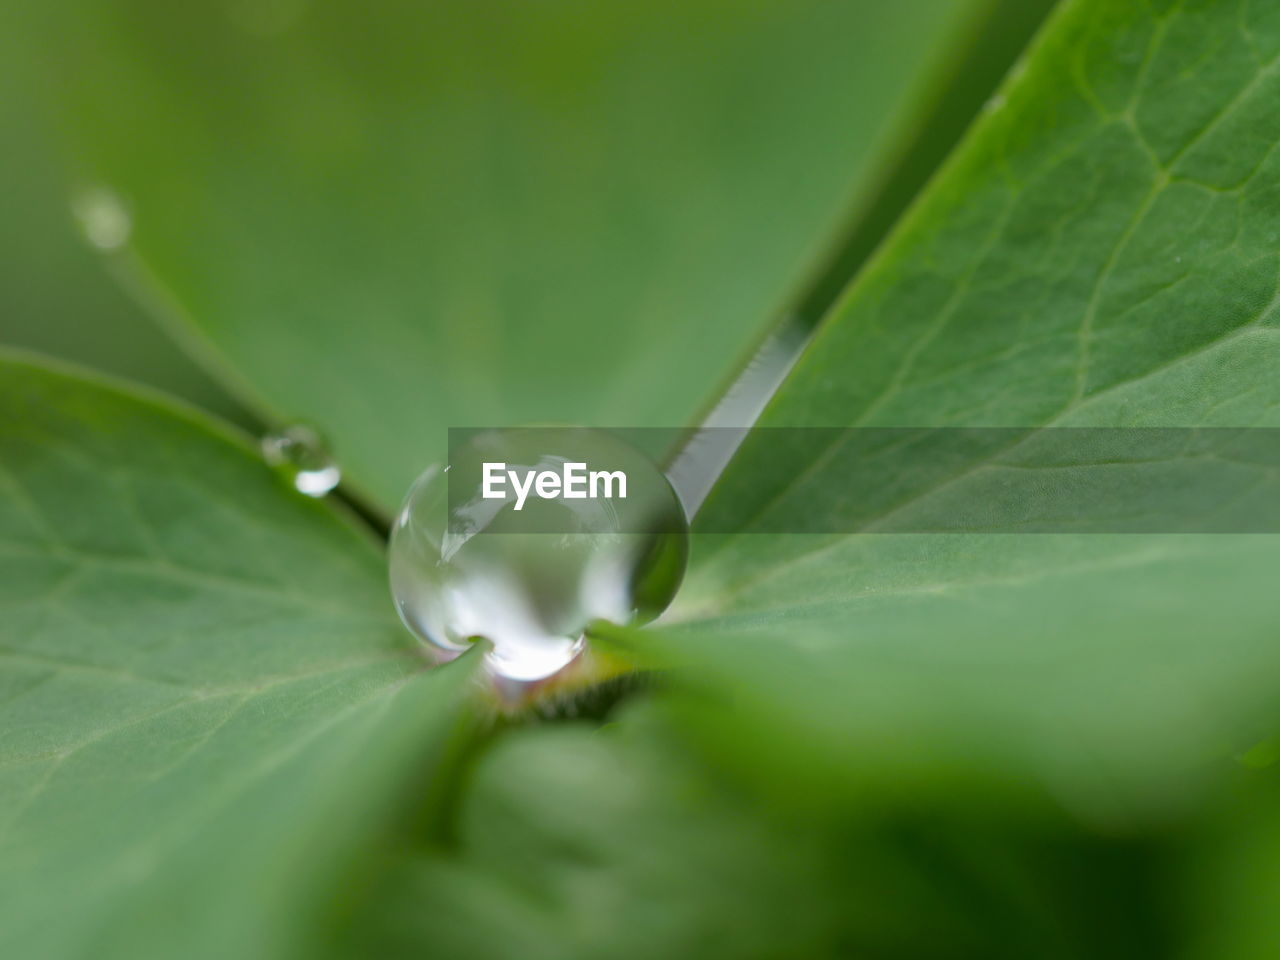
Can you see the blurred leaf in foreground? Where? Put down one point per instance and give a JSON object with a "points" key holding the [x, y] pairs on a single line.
{"points": [[618, 844]]}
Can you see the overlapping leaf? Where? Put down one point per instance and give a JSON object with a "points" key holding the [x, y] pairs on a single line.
{"points": [[1101, 252], [205, 701]]}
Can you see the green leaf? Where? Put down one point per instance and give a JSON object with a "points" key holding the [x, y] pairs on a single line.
{"points": [[961, 88], [395, 218], [1100, 252], [205, 700]]}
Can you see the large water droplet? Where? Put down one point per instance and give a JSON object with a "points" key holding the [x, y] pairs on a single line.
{"points": [[529, 575], [300, 453]]}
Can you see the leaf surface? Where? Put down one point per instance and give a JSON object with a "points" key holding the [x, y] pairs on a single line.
{"points": [[1100, 252], [205, 699]]}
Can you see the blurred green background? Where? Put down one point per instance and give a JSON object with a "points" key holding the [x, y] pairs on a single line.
{"points": [[56, 294], [497, 212]]}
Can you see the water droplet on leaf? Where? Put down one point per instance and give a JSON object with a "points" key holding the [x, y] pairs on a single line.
{"points": [[530, 575], [103, 218], [300, 453]]}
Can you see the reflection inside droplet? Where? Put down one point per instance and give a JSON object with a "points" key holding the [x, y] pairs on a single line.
{"points": [[300, 453], [102, 216], [465, 566]]}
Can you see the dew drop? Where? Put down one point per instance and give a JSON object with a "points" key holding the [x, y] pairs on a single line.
{"points": [[300, 453], [530, 581], [103, 218]]}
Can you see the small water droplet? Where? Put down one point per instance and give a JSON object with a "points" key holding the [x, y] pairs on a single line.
{"points": [[299, 452], [531, 578], [103, 218]]}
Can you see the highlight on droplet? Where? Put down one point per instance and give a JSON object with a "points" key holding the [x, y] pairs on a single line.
{"points": [[300, 453]]}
